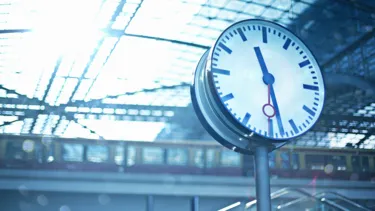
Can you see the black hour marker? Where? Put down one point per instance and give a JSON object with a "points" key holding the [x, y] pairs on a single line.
{"points": [[270, 127], [294, 127], [240, 32], [225, 48], [220, 71], [227, 97], [311, 87], [286, 44], [304, 63], [246, 119], [308, 110], [264, 34]]}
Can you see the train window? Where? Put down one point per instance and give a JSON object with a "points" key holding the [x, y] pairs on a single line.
{"points": [[295, 161], [177, 156], [72, 152], [210, 158], [153, 155], [272, 160], [285, 160], [230, 158], [50, 152], [97, 153], [15, 151], [339, 162], [131, 156], [39, 153], [315, 162], [119, 155], [356, 163], [248, 165], [365, 164], [198, 158]]}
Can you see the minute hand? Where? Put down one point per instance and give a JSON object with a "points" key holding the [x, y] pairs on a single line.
{"points": [[269, 79], [277, 111]]}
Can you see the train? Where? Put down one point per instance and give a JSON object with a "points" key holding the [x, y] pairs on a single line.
{"points": [[180, 157]]}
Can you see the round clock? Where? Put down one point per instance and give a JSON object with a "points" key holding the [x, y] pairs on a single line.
{"points": [[258, 84]]}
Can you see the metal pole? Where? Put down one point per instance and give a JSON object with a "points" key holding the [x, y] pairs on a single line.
{"points": [[195, 203], [150, 203], [262, 179]]}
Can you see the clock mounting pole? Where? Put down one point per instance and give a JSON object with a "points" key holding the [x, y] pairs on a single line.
{"points": [[262, 179]]}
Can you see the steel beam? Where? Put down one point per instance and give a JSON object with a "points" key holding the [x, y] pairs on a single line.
{"points": [[9, 31], [367, 8], [103, 111], [21, 98], [113, 19], [366, 37], [11, 122], [88, 64], [370, 133], [353, 81], [139, 91], [121, 33]]}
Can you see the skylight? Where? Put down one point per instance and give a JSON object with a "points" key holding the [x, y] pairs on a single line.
{"points": [[120, 69]]}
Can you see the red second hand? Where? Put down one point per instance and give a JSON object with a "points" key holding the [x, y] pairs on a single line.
{"points": [[269, 94], [269, 116]]}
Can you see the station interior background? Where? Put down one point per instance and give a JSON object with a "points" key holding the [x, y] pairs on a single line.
{"points": [[96, 114]]}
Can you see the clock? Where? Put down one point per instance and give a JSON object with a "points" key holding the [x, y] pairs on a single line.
{"points": [[258, 84]]}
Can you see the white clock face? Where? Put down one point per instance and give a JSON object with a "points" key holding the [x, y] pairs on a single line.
{"points": [[267, 79]]}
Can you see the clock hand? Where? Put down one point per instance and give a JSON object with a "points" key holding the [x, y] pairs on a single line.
{"points": [[278, 118], [268, 104], [269, 79]]}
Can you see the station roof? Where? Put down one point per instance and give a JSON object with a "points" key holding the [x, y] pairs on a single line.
{"points": [[121, 69]]}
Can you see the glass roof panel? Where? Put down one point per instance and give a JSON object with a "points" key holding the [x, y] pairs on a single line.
{"points": [[282, 4], [227, 15], [134, 66], [333, 140], [254, 9], [272, 13], [263, 2], [200, 22], [76, 130], [24, 14], [235, 5], [124, 17], [125, 130], [299, 7], [178, 97], [23, 76], [369, 143]]}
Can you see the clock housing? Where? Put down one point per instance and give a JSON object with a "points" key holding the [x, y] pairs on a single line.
{"points": [[261, 82]]}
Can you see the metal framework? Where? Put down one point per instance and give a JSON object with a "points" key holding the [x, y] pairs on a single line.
{"points": [[349, 66]]}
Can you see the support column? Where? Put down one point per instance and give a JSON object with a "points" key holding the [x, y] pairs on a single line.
{"points": [[262, 179]]}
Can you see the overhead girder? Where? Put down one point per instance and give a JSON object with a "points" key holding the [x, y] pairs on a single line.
{"points": [[352, 47], [337, 79], [106, 111]]}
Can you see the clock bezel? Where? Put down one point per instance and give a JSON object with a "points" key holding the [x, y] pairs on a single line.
{"points": [[228, 116]]}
